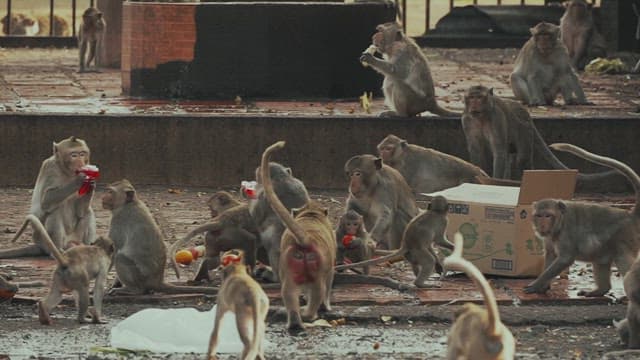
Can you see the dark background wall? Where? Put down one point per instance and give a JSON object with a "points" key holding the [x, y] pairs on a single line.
{"points": [[219, 152]]}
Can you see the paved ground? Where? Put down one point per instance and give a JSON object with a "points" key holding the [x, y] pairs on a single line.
{"points": [[45, 80]]}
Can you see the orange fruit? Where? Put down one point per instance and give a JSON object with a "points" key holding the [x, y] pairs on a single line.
{"points": [[184, 257]]}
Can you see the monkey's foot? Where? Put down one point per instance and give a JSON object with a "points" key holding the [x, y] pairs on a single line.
{"points": [[296, 330], [43, 316], [531, 289], [592, 293], [426, 285]]}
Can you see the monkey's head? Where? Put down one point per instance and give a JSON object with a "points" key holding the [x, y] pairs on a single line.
{"points": [[391, 149], [439, 204], [232, 261], [577, 8], [277, 172], [105, 244], [71, 154], [547, 217], [546, 36], [118, 194], [480, 345], [221, 201], [351, 223], [362, 172], [478, 100], [387, 34]]}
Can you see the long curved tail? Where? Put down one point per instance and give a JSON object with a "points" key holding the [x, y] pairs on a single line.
{"points": [[37, 226], [456, 262], [605, 161], [212, 226], [273, 199]]}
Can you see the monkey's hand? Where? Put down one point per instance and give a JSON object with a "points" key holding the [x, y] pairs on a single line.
{"points": [[367, 58], [535, 288]]}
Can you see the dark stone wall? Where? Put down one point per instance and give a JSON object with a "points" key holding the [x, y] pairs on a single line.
{"points": [[220, 152]]}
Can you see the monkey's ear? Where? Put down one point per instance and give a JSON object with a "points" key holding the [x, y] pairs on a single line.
{"points": [[378, 163], [325, 211], [295, 211], [490, 91], [404, 143], [288, 170], [533, 30], [562, 206], [55, 148]]}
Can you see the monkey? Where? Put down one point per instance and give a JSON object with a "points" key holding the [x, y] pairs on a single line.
{"points": [[77, 267], [599, 234], [353, 240], [90, 35], [629, 327], [580, 35], [477, 333], [20, 24], [232, 227], [381, 195], [66, 215], [407, 86], [293, 194], [140, 253], [307, 252], [424, 169], [543, 69], [242, 295], [420, 234]]}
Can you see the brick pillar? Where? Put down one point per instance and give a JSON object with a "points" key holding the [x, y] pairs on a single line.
{"points": [[111, 51]]}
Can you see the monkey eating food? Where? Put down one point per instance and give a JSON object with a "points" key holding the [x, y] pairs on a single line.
{"points": [[407, 86]]}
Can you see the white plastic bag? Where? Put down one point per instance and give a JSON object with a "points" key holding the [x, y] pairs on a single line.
{"points": [[183, 330]]}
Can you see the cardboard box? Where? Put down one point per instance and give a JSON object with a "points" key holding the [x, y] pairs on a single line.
{"points": [[496, 221]]}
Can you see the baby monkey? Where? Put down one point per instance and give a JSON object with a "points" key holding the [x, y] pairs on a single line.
{"points": [[477, 333], [242, 295], [77, 266], [354, 242]]}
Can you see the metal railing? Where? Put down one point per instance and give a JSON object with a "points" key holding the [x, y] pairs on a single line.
{"points": [[51, 16], [401, 6]]}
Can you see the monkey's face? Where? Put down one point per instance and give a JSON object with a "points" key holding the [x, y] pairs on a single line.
{"points": [[578, 8], [109, 199], [218, 203], [476, 102], [361, 172], [546, 220], [386, 152], [351, 226], [117, 194]]}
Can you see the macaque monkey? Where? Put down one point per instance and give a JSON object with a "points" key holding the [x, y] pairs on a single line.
{"points": [[381, 195], [293, 194], [629, 328], [90, 36], [407, 86], [77, 267], [231, 228], [243, 296], [599, 234], [422, 232], [22, 24], [477, 333], [140, 255], [543, 69], [353, 240], [580, 35], [307, 252], [66, 215], [424, 169]]}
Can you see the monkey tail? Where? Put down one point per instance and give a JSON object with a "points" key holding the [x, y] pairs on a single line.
{"points": [[456, 262], [254, 350], [605, 161], [552, 159], [436, 109], [272, 198], [212, 226], [22, 228], [37, 226]]}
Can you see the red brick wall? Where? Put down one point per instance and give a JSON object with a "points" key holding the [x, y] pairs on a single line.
{"points": [[155, 33]]}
